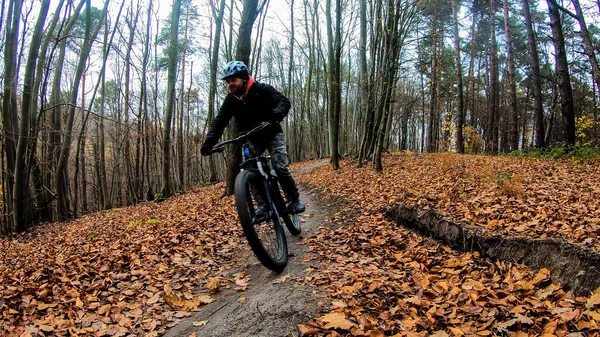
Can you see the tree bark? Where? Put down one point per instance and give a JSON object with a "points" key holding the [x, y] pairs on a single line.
{"points": [[212, 174], [587, 43], [131, 178], [43, 204], [21, 192], [9, 101], [513, 129], [180, 147], [146, 119], [432, 133], [242, 53], [334, 81], [562, 71], [460, 118], [363, 84], [492, 127], [166, 189], [537, 83], [64, 210]]}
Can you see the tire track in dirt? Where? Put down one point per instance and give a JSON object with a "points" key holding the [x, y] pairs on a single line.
{"points": [[274, 304]]}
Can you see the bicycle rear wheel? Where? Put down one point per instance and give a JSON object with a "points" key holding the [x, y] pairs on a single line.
{"points": [[265, 236], [292, 221]]}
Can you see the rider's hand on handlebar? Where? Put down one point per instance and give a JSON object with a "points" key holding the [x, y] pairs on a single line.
{"points": [[206, 150], [218, 149]]}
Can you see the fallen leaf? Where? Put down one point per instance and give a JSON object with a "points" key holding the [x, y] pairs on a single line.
{"points": [[213, 285], [306, 331], [205, 299], [46, 328], [282, 279], [199, 323], [337, 320], [593, 300]]}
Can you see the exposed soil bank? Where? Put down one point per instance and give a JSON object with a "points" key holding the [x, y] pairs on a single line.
{"points": [[575, 266]]}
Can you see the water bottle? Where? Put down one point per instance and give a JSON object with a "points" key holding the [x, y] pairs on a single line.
{"points": [[247, 152]]}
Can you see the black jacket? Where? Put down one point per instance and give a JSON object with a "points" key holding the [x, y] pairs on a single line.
{"points": [[263, 103]]}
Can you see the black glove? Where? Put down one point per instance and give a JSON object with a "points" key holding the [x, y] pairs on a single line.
{"points": [[206, 149]]}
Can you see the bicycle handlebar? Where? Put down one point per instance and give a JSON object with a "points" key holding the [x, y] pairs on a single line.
{"points": [[220, 147]]}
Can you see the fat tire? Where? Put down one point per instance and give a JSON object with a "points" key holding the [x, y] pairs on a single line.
{"points": [[292, 221], [243, 201]]}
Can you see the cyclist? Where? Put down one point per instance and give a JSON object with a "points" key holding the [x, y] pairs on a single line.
{"points": [[251, 103]]}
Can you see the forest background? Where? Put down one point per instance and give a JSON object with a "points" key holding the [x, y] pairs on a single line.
{"points": [[106, 104]]}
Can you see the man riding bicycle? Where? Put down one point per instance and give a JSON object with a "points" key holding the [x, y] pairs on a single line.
{"points": [[252, 103]]}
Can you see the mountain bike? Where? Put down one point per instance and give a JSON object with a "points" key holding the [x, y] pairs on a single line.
{"points": [[257, 184]]}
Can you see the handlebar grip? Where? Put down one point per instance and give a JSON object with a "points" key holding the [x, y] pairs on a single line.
{"points": [[218, 149]]}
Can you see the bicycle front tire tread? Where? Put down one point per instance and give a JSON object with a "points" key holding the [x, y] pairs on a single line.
{"points": [[241, 201]]}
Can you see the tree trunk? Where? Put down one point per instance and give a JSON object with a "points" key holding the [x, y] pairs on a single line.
{"points": [[146, 119], [212, 174], [180, 153], [21, 195], [492, 127], [460, 145], [537, 84], [471, 76], [9, 101], [562, 71], [64, 210], [334, 81], [587, 43], [166, 189], [513, 129], [434, 85], [363, 84], [44, 208], [290, 92], [242, 54]]}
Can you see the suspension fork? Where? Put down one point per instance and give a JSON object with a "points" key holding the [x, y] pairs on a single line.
{"points": [[267, 188]]}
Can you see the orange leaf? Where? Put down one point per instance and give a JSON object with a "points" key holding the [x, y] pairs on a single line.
{"points": [[213, 285], [337, 320], [593, 300], [456, 331], [46, 328], [306, 331]]}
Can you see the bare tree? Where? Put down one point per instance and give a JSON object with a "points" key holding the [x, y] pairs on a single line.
{"points": [[334, 97], [513, 117], [460, 144], [214, 61], [21, 192], [537, 84], [64, 210], [166, 190], [242, 53], [492, 126], [562, 72]]}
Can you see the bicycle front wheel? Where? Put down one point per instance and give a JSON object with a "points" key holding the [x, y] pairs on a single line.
{"points": [[292, 221], [265, 234]]}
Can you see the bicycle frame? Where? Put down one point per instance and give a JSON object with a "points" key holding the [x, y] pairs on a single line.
{"points": [[259, 163], [255, 161]]}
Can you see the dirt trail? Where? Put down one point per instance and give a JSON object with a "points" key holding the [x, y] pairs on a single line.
{"points": [[274, 304]]}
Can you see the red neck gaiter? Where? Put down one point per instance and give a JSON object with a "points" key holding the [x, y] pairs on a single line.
{"points": [[249, 84]]}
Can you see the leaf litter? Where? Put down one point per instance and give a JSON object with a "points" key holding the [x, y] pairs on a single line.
{"points": [[137, 270], [385, 280]]}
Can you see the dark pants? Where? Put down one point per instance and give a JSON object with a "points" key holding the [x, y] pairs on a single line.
{"points": [[279, 162]]}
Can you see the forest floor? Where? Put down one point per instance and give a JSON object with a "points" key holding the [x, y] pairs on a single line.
{"points": [[444, 244]]}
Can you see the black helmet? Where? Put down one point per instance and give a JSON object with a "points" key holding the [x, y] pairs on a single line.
{"points": [[235, 69]]}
